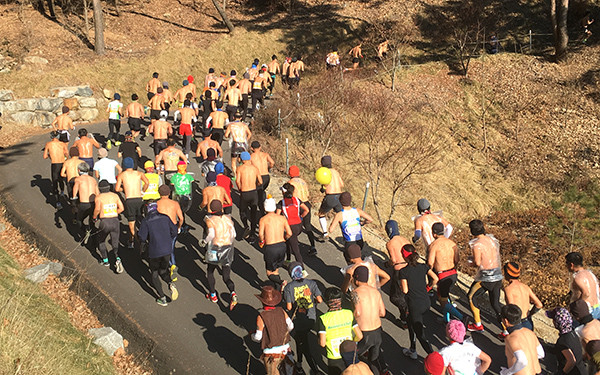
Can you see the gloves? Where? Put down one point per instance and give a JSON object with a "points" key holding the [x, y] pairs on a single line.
{"points": [[322, 190], [505, 371]]}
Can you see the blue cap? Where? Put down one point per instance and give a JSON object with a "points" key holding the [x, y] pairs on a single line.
{"points": [[186, 82], [245, 156], [391, 228], [128, 163], [117, 96], [219, 168]]}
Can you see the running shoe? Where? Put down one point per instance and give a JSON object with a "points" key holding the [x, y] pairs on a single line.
{"points": [[501, 336], [213, 297], [108, 144], [174, 292], [86, 238], [312, 251], [322, 238], [475, 328], [401, 323], [173, 271], [58, 206], [130, 245], [234, 301], [117, 143], [162, 301], [247, 233], [386, 372], [299, 369], [410, 353], [104, 262], [119, 266]]}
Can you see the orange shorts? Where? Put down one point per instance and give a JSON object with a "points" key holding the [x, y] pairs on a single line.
{"points": [[185, 129]]}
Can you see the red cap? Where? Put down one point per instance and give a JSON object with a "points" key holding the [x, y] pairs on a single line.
{"points": [[434, 364], [294, 171], [181, 162], [190, 79]]}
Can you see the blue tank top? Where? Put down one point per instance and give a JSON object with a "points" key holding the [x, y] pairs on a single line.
{"points": [[351, 229]]}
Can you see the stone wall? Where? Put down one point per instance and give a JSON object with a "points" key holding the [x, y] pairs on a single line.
{"points": [[42, 111]]}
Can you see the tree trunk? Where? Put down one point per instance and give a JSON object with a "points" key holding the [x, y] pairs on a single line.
{"points": [[98, 27], [117, 8], [51, 9], [223, 16], [86, 18], [558, 14]]}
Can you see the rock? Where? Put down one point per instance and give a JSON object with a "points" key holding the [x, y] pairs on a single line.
{"points": [[23, 118], [6, 95], [43, 119], [3, 228], [84, 91], [72, 103], [88, 103], [37, 274], [65, 93], [27, 104], [107, 338], [75, 115], [35, 60], [88, 114], [8, 107], [107, 94], [55, 268], [49, 104]]}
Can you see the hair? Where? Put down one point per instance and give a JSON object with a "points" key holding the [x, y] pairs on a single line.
{"points": [[134, 97], [103, 186], [289, 190], [438, 228], [211, 70], [512, 314], [171, 142], [208, 94], [574, 258], [155, 75], [65, 109], [73, 151], [219, 103], [255, 144], [212, 84], [273, 57], [232, 82], [82, 132], [413, 258], [476, 227], [188, 96], [233, 73], [54, 134], [187, 103], [332, 293]]}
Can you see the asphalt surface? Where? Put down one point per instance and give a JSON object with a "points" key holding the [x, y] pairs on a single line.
{"points": [[200, 337]]}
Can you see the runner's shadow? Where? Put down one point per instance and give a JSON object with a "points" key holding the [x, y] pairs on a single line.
{"points": [[44, 184], [331, 274], [227, 345], [190, 266], [245, 270], [11, 153], [138, 269]]}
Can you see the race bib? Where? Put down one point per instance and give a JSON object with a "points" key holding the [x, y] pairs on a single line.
{"points": [[335, 344], [109, 209]]}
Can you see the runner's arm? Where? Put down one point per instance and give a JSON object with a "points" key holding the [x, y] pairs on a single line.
{"points": [[431, 257], [404, 286], [322, 339], [383, 277], [346, 283], [486, 361], [45, 156], [120, 207], [368, 218], [139, 151], [433, 278], [456, 255], [357, 333], [119, 183], [96, 210], [288, 230], [145, 182], [75, 189], [335, 222], [521, 362], [260, 325], [63, 171], [537, 304], [304, 210]]}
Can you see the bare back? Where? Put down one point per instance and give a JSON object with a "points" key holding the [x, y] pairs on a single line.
{"points": [[57, 151], [86, 188], [170, 156], [368, 307], [262, 161], [170, 208], [336, 185], [525, 340], [108, 205], [211, 193], [218, 119], [63, 122], [70, 167], [394, 247], [187, 115], [585, 285], [247, 177], [443, 254], [272, 228], [86, 145], [521, 295], [134, 110], [160, 129], [424, 223], [130, 182]]}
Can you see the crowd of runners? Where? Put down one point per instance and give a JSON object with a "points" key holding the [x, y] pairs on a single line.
{"points": [[155, 194]]}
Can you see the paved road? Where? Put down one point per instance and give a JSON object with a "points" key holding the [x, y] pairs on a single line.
{"points": [[201, 337]]}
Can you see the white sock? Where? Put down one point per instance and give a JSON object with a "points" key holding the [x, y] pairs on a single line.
{"points": [[323, 222]]}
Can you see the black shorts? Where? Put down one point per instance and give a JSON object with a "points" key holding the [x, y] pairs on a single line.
{"points": [[274, 256], [135, 124], [238, 147], [133, 208], [155, 114], [330, 202], [371, 344], [70, 185], [157, 264], [444, 285]]}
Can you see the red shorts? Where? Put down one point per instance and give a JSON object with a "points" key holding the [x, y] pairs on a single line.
{"points": [[185, 129]]}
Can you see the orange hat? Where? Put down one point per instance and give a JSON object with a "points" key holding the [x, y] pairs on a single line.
{"points": [[294, 171]]}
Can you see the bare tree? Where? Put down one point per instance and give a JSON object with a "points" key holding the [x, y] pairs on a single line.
{"points": [[99, 46], [465, 45], [223, 16], [558, 15]]}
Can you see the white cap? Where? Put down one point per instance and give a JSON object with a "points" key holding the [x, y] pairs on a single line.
{"points": [[270, 205], [164, 114]]}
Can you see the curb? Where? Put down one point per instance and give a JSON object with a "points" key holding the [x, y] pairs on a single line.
{"points": [[141, 344]]}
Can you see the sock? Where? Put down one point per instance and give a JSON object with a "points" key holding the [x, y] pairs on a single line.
{"points": [[478, 324], [323, 222]]}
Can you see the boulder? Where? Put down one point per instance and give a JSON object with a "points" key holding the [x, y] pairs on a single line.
{"points": [[88, 103], [35, 60], [107, 338], [84, 91], [6, 95], [23, 118], [27, 104], [72, 103], [88, 114], [55, 268], [107, 94], [8, 107], [37, 274], [43, 118], [75, 115], [49, 104]]}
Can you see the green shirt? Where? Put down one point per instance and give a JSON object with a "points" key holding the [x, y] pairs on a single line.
{"points": [[182, 183]]}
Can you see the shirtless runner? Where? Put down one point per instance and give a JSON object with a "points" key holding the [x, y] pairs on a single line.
{"points": [[58, 152], [132, 182], [216, 122], [86, 145], [245, 87], [377, 277], [135, 114], [273, 231], [240, 134], [62, 124], [442, 259], [264, 163], [156, 104], [233, 95], [248, 180], [188, 116], [584, 284], [368, 311], [153, 84], [425, 220], [397, 262], [170, 156], [520, 294], [273, 69], [332, 196], [161, 131], [168, 95], [180, 95], [208, 142], [86, 188], [214, 192], [192, 87], [69, 169], [522, 347], [107, 207]]}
